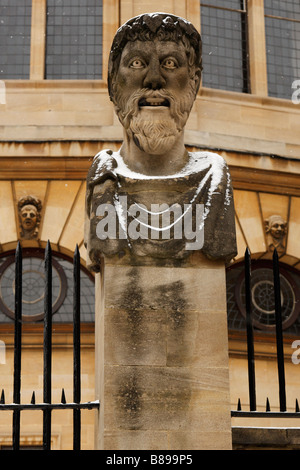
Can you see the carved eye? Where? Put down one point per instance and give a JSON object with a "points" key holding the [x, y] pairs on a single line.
{"points": [[170, 63], [137, 64]]}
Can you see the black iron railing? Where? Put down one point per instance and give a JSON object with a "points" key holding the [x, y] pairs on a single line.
{"points": [[47, 406], [252, 412]]}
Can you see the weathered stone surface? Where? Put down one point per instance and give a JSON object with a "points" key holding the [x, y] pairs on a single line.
{"points": [[252, 438], [133, 440], [203, 440], [163, 357], [130, 283], [166, 398], [149, 337]]}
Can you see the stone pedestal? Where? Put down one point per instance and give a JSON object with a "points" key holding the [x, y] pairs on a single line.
{"points": [[162, 356]]}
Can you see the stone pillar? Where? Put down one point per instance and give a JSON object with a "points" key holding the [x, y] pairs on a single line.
{"points": [[162, 356]]}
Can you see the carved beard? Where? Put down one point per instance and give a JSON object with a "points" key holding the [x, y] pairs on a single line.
{"points": [[155, 136]]}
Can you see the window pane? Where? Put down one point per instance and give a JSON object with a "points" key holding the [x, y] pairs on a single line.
{"points": [[224, 49], [15, 26], [234, 4], [33, 285], [283, 56], [74, 39], [263, 304], [286, 9]]}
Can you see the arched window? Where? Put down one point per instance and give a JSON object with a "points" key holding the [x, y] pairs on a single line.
{"points": [[262, 297], [33, 281]]}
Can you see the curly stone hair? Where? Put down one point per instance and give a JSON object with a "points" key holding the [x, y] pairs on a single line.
{"points": [[148, 26], [32, 200]]}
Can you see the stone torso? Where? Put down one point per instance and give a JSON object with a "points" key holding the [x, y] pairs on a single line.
{"points": [[161, 216]]}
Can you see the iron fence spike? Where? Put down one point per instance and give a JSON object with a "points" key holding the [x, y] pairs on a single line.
{"points": [[249, 331], [268, 408], [47, 386], [297, 406], [279, 333], [76, 350], [17, 346], [275, 254], [46, 406], [239, 406]]}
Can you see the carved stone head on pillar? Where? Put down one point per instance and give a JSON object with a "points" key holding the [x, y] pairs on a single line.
{"points": [[29, 211], [154, 75]]}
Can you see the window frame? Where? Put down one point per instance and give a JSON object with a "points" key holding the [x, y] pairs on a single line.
{"points": [[59, 65], [17, 40], [37, 319], [276, 17], [245, 64], [38, 39]]}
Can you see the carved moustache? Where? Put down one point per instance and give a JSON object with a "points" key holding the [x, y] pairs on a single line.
{"points": [[153, 136], [179, 109]]}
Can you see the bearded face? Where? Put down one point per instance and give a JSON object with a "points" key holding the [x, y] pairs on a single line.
{"points": [[154, 94], [154, 130]]}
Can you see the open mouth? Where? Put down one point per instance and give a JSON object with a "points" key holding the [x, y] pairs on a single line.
{"points": [[154, 102]]}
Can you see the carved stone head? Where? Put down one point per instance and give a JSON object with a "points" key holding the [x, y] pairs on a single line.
{"points": [[154, 74], [276, 226], [29, 211], [276, 229]]}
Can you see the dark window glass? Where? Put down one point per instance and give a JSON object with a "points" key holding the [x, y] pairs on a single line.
{"points": [[33, 285], [282, 46], [284, 9], [233, 4], [74, 39], [224, 38], [15, 28], [262, 297]]}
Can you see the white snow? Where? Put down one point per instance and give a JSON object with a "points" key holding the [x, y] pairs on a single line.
{"points": [[212, 163]]}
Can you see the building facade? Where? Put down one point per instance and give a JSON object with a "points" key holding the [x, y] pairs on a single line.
{"points": [[55, 115]]}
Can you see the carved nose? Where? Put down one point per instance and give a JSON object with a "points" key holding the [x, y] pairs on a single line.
{"points": [[154, 79]]}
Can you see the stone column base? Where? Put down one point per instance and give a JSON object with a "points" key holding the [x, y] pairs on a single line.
{"points": [[162, 373]]}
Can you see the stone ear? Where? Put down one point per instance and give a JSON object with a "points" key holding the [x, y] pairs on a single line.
{"points": [[197, 79]]}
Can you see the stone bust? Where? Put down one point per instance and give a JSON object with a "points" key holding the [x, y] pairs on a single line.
{"points": [[29, 210], [154, 74], [276, 230]]}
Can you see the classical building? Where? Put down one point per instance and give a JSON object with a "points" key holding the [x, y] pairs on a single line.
{"points": [[55, 115]]}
